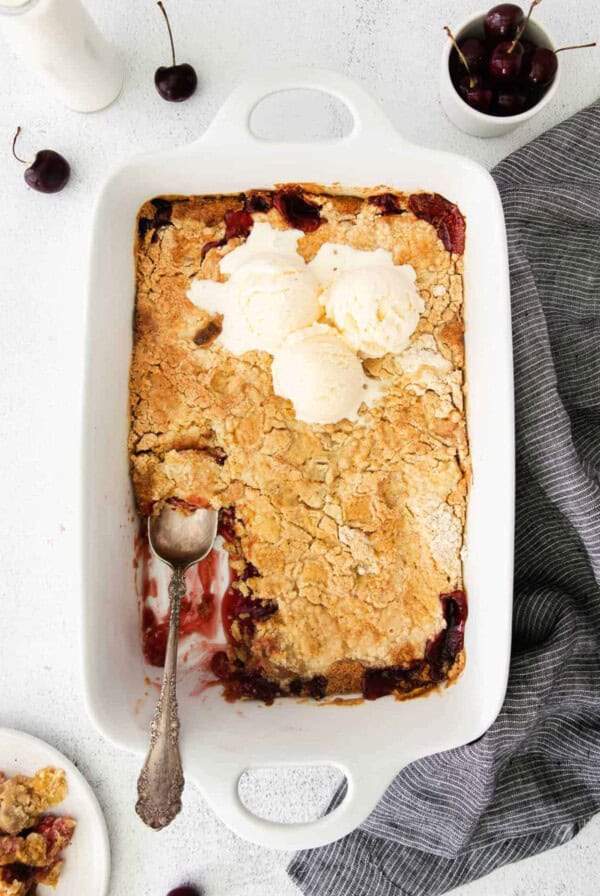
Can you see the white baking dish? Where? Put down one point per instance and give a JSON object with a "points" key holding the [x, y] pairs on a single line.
{"points": [[371, 742]]}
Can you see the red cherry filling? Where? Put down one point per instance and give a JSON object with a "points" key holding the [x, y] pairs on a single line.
{"points": [[154, 638], [239, 684], [241, 611], [378, 683], [194, 618], [259, 201], [297, 210], [388, 203], [207, 335], [227, 523], [444, 648], [219, 665], [16, 872], [238, 222], [162, 218], [440, 654], [250, 572], [57, 832], [250, 686], [218, 455], [317, 687], [444, 216]]}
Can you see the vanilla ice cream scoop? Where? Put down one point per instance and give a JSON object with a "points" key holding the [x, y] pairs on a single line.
{"points": [[270, 292], [321, 375], [376, 309]]}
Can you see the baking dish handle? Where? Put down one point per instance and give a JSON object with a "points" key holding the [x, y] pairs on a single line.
{"points": [[365, 787], [231, 124]]}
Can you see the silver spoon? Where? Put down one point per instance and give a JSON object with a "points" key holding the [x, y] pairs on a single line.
{"points": [[180, 540]]}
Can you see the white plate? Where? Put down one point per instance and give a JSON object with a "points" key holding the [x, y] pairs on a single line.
{"points": [[87, 860], [371, 742]]}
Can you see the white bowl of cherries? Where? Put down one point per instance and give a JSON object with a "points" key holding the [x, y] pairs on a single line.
{"points": [[499, 70]]}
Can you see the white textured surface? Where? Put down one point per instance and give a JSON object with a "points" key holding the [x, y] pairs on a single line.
{"points": [[393, 47]]}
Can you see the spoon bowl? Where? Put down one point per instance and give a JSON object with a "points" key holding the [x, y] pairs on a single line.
{"points": [[181, 538]]}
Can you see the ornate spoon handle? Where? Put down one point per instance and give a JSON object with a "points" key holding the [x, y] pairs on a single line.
{"points": [[160, 783]]}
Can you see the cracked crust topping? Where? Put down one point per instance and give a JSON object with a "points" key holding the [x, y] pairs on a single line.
{"points": [[352, 530]]}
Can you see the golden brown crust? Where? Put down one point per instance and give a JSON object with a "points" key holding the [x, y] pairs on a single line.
{"points": [[23, 799], [27, 850], [31, 842], [355, 529]]}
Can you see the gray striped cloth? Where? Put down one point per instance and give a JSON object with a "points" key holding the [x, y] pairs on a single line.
{"points": [[533, 780]]}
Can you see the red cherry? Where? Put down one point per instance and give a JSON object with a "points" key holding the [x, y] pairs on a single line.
{"points": [[476, 93], [49, 171], [474, 51], [468, 56], [502, 22], [185, 891], [510, 102], [508, 58], [506, 61], [544, 64], [175, 83]]}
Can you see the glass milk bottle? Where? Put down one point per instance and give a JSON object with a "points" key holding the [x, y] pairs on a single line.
{"points": [[60, 40]]}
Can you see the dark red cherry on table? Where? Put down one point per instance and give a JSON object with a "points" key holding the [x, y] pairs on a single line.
{"points": [[48, 173], [175, 83], [503, 21], [185, 891], [506, 60]]}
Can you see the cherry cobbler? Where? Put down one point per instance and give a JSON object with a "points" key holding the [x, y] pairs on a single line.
{"points": [[298, 364], [32, 841]]}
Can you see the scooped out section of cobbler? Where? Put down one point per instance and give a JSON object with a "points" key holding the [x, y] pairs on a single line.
{"points": [[298, 365]]}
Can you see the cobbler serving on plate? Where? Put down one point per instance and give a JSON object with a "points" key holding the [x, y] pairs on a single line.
{"points": [[31, 841], [298, 364]]}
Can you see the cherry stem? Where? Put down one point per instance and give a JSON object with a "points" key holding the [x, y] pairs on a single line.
{"points": [[577, 47], [164, 12], [461, 56], [521, 30], [14, 143]]}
